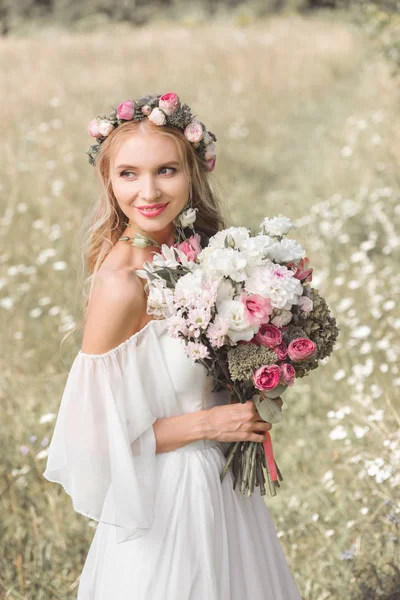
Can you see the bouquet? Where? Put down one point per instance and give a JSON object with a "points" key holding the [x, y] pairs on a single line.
{"points": [[245, 309]]}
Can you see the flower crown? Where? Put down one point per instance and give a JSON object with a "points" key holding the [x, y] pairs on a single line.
{"points": [[161, 110]]}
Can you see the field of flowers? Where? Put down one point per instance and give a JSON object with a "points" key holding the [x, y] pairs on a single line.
{"points": [[307, 120]]}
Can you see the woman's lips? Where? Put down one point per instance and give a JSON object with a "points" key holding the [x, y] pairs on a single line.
{"points": [[152, 212]]}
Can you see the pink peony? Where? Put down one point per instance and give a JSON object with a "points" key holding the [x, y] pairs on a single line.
{"points": [[125, 110], [288, 374], [93, 129], [268, 335], [267, 377], [194, 131], [301, 349], [281, 350], [169, 103], [257, 308]]}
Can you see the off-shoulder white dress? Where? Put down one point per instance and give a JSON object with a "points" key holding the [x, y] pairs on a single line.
{"points": [[168, 529]]}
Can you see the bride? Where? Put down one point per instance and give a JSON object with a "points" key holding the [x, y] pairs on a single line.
{"points": [[138, 438]]}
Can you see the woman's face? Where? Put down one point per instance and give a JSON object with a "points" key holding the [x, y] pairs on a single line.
{"points": [[145, 173]]}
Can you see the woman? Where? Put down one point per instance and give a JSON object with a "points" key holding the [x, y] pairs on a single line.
{"points": [[137, 442]]}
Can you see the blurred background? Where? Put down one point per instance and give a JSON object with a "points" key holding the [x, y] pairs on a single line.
{"points": [[303, 96]]}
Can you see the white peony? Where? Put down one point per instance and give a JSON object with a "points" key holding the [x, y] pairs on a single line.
{"points": [[157, 116], [239, 328], [286, 251], [276, 225], [227, 262], [105, 127], [276, 282], [191, 282], [239, 234]]}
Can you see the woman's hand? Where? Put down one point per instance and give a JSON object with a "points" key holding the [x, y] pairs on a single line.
{"points": [[237, 422]]}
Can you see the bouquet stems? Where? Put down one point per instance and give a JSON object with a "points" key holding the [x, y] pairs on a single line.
{"points": [[250, 469]]}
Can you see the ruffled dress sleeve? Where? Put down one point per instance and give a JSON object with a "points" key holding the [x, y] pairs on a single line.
{"points": [[103, 448]]}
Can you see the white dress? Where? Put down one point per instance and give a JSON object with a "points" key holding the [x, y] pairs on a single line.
{"points": [[168, 529]]}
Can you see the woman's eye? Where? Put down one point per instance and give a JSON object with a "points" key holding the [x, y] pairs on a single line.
{"points": [[123, 173]]}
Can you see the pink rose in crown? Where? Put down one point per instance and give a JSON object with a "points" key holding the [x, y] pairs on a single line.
{"points": [[169, 103], [190, 247], [257, 309], [267, 377], [302, 273], [93, 129], [125, 110], [146, 109], [281, 350], [288, 374], [268, 335], [301, 349], [211, 164], [194, 131]]}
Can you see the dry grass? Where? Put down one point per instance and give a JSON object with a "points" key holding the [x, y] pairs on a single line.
{"points": [[307, 124]]}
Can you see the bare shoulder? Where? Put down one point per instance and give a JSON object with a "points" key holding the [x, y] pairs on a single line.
{"points": [[117, 310]]}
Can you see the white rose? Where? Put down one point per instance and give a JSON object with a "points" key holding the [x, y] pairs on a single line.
{"points": [[276, 225], [239, 327], [210, 151], [194, 131], [105, 127], [207, 138], [282, 317], [157, 116], [305, 303], [226, 290], [188, 217]]}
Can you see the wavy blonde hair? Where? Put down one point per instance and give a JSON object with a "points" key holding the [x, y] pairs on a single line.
{"points": [[104, 222]]}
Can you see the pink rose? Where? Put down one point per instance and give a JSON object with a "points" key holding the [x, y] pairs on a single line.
{"points": [[301, 271], [257, 309], [288, 374], [281, 350], [194, 131], [268, 335], [125, 110], [301, 349], [157, 116], [93, 129], [146, 109], [267, 377], [211, 164], [190, 247], [169, 103]]}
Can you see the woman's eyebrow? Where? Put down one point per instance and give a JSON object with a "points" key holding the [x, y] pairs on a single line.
{"points": [[169, 162]]}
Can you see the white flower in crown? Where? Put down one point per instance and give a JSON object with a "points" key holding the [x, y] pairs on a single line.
{"points": [[194, 131], [105, 127], [188, 217], [157, 116]]}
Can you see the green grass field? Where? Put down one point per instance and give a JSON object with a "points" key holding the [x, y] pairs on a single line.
{"points": [[307, 119]]}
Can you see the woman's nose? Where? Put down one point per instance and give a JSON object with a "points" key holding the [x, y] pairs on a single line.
{"points": [[149, 190]]}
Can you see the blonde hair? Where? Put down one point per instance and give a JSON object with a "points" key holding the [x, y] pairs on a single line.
{"points": [[104, 223]]}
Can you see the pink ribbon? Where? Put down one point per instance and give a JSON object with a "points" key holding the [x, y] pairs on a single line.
{"points": [[269, 455]]}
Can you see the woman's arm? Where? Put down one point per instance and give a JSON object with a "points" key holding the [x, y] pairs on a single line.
{"points": [[174, 432]]}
